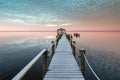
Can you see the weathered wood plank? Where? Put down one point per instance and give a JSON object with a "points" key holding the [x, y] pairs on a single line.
{"points": [[65, 71], [63, 78], [61, 75], [63, 65]]}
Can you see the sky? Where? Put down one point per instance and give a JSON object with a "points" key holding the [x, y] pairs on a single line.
{"points": [[43, 15]]}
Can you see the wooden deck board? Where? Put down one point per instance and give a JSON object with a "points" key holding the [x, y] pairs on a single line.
{"points": [[63, 78], [63, 65]]}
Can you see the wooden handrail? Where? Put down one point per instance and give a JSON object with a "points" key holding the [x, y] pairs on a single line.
{"points": [[44, 54], [51, 50], [83, 60], [91, 68], [52, 46], [22, 73]]}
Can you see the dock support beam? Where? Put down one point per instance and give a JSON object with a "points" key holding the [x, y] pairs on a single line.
{"points": [[45, 63], [82, 61], [73, 47], [53, 48]]}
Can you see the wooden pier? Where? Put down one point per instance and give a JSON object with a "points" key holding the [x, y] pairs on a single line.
{"points": [[63, 65]]}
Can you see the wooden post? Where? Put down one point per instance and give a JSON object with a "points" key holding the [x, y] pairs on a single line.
{"points": [[53, 49], [82, 61], [73, 48], [58, 36], [45, 63], [71, 43], [52, 42]]}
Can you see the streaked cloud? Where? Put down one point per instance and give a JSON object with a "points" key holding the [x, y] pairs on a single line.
{"points": [[51, 25], [53, 13]]}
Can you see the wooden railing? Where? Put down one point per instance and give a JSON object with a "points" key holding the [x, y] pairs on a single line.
{"points": [[83, 58], [44, 54], [23, 72]]}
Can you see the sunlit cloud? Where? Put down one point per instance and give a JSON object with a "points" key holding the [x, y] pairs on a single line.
{"points": [[51, 25], [57, 25], [66, 24], [50, 37], [55, 13]]}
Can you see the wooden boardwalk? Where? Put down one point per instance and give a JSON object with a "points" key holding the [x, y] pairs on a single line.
{"points": [[63, 65]]}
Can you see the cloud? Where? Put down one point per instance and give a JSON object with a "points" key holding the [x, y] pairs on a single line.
{"points": [[59, 12], [50, 25], [57, 25], [66, 24]]}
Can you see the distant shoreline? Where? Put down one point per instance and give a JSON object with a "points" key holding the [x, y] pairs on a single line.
{"points": [[67, 31]]}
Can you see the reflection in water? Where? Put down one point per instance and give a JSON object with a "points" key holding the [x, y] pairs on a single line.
{"points": [[105, 64], [17, 49], [77, 35], [103, 54]]}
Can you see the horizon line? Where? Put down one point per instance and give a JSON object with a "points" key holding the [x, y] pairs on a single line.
{"points": [[69, 31]]}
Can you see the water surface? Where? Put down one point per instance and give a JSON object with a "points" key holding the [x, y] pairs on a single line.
{"points": [[18, 48], [103, 53]]}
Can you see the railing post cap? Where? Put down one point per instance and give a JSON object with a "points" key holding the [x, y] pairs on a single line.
{"points": [[74, 42], [44, 50], [82, 49], [52, 42]]}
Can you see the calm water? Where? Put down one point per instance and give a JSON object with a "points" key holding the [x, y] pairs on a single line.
{"points": [[103, 53], [17, 49]]}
